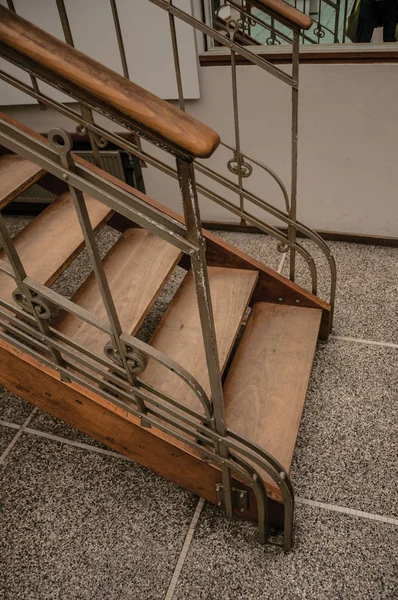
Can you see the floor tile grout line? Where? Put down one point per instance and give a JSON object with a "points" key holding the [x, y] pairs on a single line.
{"points": [[81, 445], [10, 425], [353, 512], [66, 441], [17, 436], [345, 338], [299, 500], [184, 550]]}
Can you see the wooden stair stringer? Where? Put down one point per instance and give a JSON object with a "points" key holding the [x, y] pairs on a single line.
{"points": [[101, 419]]}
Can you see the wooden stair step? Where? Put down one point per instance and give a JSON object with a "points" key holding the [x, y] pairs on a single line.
{"points": [[136, 268], [266, 385], [179, 334], [16, 175], [51, 241]]}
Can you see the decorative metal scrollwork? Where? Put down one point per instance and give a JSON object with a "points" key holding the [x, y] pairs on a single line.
{"points": [[81, 130], [42, 309], [245, 168], [272, 41], [136, 360], [233, 26], [319, 31], [281, 247]]}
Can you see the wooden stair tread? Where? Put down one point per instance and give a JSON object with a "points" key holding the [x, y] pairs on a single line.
{"points": [[267, 382], [136, 268], [179, 334], [51, 241], [16, 175]]}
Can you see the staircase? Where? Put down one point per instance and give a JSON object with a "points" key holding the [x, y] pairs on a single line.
{"points": [[213, 401]]}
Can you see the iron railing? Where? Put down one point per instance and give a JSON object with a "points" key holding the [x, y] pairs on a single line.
{"points": [[115, 375], [256, 27]]}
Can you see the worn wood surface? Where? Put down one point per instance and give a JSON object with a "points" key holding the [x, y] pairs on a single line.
{"points": [[136, 268], [51, 241], [271, 285], [105, 422], [16, 175], [266, 385], [179, 334], [133, 101], [286, 11]]}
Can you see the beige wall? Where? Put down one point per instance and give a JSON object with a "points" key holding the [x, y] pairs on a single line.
{"points": [[348, 171], [348, 155]]}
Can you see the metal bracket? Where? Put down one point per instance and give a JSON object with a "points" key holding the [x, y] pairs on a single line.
{"points": [[240, 498]]}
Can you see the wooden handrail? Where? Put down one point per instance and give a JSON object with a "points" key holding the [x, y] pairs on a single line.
{"points": [[287, 12], [147, 111]]}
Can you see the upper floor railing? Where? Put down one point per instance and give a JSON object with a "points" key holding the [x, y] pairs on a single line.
{"points": [[322, 21], [333, 22]]}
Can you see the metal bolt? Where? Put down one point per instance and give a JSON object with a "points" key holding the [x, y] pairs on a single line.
{"points": [[282, 475], [242, 510], [64, 176], [219, 503], [19, 387], [297, 301], [191, 252], [280, 299]]}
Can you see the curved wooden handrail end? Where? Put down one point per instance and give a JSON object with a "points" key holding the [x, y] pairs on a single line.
{"points": [[156, 118], [287, 12]]}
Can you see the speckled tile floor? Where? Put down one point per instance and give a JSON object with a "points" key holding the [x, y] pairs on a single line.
{"points": [[80, 522]]}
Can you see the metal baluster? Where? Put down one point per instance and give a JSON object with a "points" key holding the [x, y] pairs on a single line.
{"points": [[36, 306], [337, 22], [176, 56], [35, 85], [119, 36], [248, 10], [293, 193], [233, 28], [272, 37], [320, 22], [87, 113], [123, 57], [303, 34], [345, 21], [186, 178], [60, 141]]}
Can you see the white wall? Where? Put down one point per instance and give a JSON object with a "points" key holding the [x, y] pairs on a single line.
{"points": [[348, 171], [348, 160], [146, 35]]}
